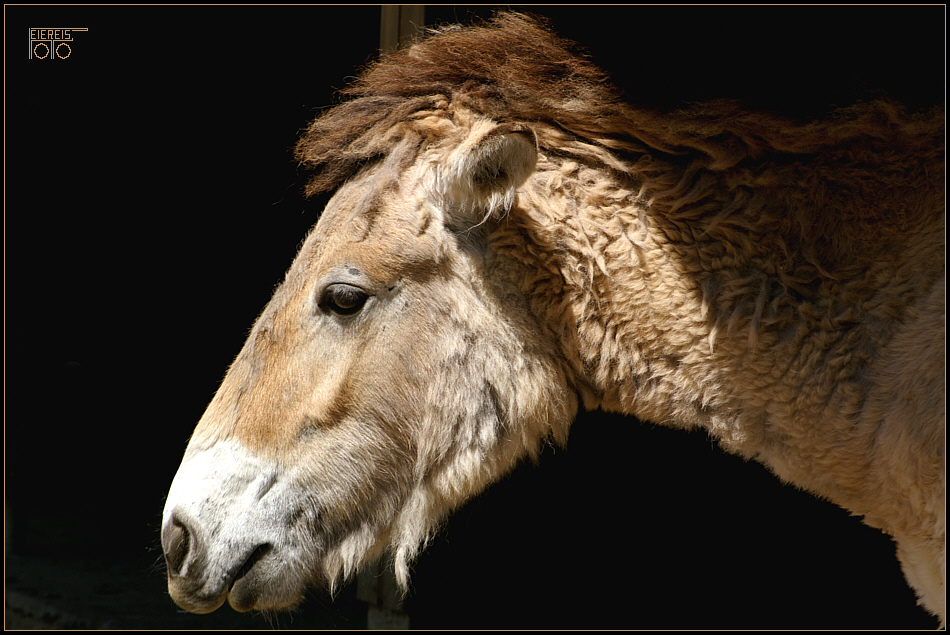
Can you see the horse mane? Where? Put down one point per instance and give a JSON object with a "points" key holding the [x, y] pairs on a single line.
{"points": [[515, 69]]}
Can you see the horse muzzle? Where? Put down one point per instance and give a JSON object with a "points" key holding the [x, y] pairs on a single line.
{"points": [[228, 535]]}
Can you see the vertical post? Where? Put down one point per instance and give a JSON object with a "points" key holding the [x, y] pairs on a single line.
{"points": [[376, 585], [399, 26]]}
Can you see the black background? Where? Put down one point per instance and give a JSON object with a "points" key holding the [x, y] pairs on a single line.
{"points": [[152, 204]]}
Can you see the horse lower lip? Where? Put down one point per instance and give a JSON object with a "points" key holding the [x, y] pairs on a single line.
{"points": [[259, 552], [245, 590]]}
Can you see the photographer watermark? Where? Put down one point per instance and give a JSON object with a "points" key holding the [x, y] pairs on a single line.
{"points": [[51, 44]]}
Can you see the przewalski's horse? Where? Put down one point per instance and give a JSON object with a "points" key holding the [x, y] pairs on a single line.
{"points": [[507, 240]]}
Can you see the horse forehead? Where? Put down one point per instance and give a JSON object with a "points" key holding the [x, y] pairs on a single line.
{"points": [[376, 225]]}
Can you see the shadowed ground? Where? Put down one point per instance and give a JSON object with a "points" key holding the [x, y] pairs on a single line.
{"points": [[82, 594]]}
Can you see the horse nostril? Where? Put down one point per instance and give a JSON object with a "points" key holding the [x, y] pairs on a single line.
{"points": [[176, 542]]}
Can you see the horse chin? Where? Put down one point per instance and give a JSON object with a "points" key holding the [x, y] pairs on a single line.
{"points": [[266, 584], [250, 594], [246, 594], [193, 600]]}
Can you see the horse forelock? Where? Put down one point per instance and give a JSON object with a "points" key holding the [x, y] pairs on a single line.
{"points": [[510, 69]]}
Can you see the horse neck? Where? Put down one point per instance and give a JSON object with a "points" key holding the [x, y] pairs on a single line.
{"points": [[681, 321], [608, 280]]}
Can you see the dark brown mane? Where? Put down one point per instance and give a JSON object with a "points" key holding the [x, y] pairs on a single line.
{"points": [[515, 69], [511, 69]]}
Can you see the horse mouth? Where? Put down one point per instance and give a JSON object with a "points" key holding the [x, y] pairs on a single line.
{"points": [[244, 590]]}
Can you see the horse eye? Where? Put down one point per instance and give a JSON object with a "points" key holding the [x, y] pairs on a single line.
{"points": [[343, 299]]}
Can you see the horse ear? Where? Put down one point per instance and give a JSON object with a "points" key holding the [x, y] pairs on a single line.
{"points": [[483, 173]]}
